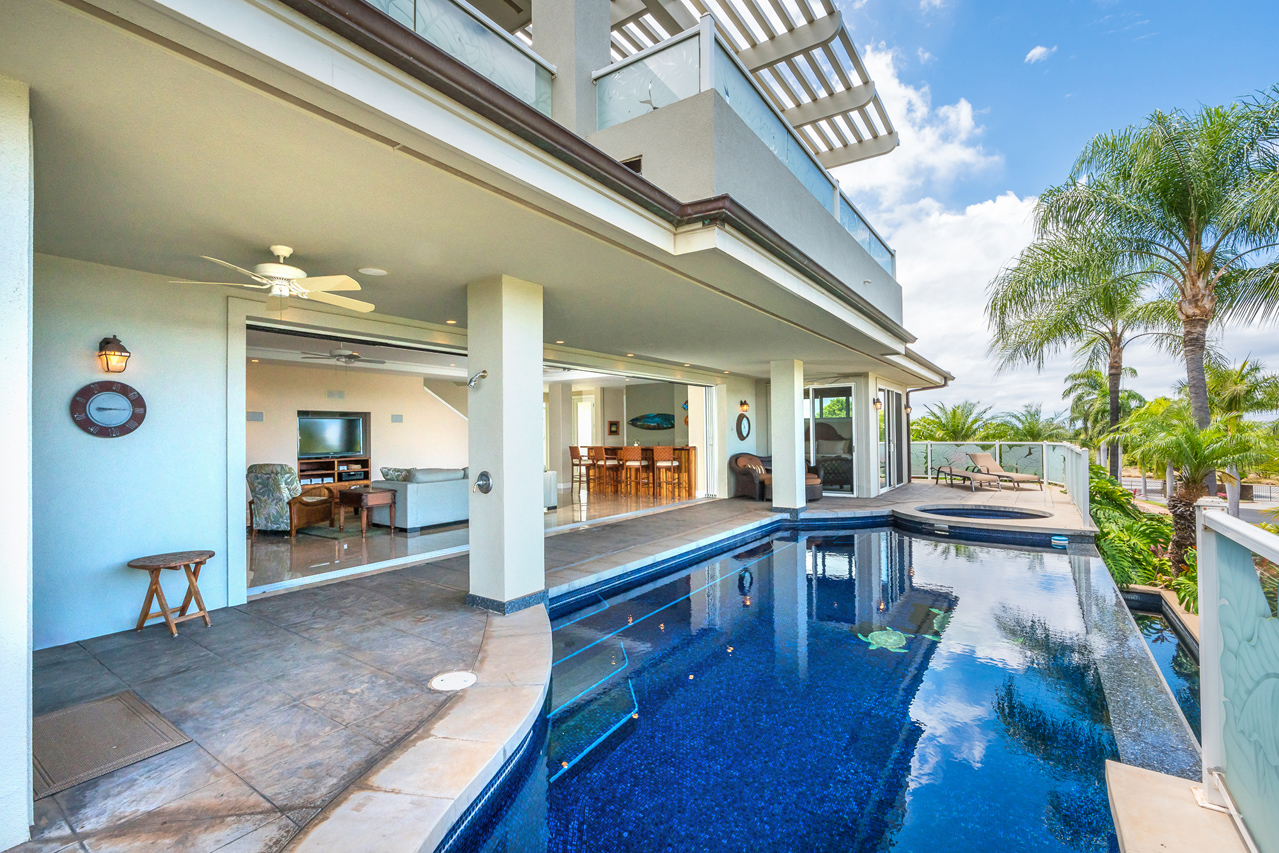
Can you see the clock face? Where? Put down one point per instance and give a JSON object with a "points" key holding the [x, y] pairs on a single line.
{"points": [[108, 409]]}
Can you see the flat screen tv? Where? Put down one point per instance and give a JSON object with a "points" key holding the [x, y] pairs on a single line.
{"points": [[330, 435]]}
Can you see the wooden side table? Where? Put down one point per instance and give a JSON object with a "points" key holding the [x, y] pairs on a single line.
{"points": [[364, 498], [190, 562]]}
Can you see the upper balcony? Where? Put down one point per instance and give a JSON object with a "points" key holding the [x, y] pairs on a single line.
{"points": [[656, 109], [472, 38]]}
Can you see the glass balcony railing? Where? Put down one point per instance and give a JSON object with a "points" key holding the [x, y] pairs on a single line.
{"points": [[471, 38], [674, 70]]}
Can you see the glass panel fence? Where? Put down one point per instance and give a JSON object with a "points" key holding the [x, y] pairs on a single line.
{"points": [[465, 36], [746, 100], [855, 225], [956, 453], [658, 80], [1056, 463], [919, 459]]}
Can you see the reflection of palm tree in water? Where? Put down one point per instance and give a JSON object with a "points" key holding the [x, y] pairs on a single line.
{"points": [[1077, 743]]}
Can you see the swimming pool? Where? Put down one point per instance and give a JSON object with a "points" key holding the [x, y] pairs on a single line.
{"points": [[850, 691], [977, 511], [1179, 667]]}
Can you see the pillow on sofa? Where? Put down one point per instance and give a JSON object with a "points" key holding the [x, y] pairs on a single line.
{"points": [[436, 475], [832, 448], [396, 475]]}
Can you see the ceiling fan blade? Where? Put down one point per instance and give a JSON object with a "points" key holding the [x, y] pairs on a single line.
{"points": [[341, 302], [327, 283], [363, 360], [223, 283], [259, 279], [315, 358], [316, 354]]}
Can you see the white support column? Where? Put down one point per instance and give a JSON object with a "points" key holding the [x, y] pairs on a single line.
{"points": [[559, 428], [786, 430], [504, 338], [16, 205]]}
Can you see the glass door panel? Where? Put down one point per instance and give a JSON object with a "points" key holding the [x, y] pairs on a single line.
{"points": [[828, 433]]}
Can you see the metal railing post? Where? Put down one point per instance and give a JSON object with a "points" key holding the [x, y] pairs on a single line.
{"points": [[928, 461]]}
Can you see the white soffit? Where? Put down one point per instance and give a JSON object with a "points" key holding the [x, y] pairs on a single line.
{"points": [[800, 55]]}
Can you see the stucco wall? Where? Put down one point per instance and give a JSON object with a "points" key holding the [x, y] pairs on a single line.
{"points": [[102, 502], [431, 435]]}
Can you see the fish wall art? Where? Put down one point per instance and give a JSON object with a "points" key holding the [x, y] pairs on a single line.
{"points": [[654, 421]]}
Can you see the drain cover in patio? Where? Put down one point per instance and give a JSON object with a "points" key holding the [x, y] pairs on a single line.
{"points": [[86, 741]]}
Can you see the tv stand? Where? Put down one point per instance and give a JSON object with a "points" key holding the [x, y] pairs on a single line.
{"points": [[340, 472]]}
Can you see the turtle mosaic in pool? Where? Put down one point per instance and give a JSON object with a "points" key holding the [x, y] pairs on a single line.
{"points": [[853, 691]]}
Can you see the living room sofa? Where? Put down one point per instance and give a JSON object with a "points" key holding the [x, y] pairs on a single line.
{"points": [[442, 497]]}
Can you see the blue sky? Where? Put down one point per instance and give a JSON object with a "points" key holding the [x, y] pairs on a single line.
{"points": [[984, 129]]}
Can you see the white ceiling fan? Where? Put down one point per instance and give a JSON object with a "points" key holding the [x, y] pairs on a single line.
{"points": [[341, 354], [282, 281]]}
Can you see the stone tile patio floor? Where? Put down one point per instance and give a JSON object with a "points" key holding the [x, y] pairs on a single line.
{"points": [[291, 698]]}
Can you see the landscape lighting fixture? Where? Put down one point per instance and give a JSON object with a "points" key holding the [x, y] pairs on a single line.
{"points": [[112, 355]]}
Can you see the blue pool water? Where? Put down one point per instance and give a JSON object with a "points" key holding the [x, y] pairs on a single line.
{"points": [[980, 512], [854, 691], [1178, 666]]}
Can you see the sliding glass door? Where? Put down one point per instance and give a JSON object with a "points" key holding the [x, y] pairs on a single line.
{"points": [[828, 435], [892, 439]]}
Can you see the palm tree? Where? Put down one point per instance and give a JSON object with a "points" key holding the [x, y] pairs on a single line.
{"points": [[1090, 406], [960, 422], [1030, 424], [1144, 422], [1072, 294], [1233, 393], [1198, 454], [1189, 198]]}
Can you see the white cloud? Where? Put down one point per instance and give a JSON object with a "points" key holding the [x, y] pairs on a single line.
{"points": [[925, 57], [938, 144], [925, 5], [1040, 53]]}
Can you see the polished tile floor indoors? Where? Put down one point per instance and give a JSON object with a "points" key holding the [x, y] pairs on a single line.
{"points": [[275, 558]]}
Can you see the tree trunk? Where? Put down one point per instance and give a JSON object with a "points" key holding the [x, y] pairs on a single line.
{"points": [[1144, 493], [1232, 491], [1195, 338], [1112, 379], [1182, 506], [1170, 481]]}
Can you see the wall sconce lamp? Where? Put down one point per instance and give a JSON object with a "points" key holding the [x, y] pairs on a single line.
{"points": [[878, 404], [113, 355], [906, 410], [744, 406]]}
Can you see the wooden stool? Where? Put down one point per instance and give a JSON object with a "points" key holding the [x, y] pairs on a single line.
{"points": [[190, 562]]}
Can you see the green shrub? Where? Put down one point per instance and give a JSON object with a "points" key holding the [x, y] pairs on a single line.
{"points": [[1134, 543]]}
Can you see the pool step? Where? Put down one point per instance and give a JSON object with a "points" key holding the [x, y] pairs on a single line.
{"points": [[584, 728]]}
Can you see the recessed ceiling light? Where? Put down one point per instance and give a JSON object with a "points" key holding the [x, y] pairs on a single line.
{"points": [[254, 360], [372, 271], [726, 371], [630, 355], [686, 365], [559, 342], [451, 322]]}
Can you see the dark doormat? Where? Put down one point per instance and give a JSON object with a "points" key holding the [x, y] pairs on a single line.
{"points": [[90, 740]]}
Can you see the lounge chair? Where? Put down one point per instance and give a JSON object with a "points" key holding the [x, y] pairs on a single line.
{"points": [[988, 465], [954, 472]]}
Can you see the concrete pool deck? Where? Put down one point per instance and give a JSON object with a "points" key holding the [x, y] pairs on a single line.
{"points": [[310, 710]]}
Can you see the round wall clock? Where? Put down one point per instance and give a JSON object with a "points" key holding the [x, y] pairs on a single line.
{"points": [[108, 409], [743, 427]]}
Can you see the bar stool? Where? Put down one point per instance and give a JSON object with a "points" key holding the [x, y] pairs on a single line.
{"points": [[666, 471], [581, 469], [605, 467], [634, 468]]}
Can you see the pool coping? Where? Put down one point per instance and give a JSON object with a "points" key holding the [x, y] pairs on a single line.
{"points": [[422, 792]]}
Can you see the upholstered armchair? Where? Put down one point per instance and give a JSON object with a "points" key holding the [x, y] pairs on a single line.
{"points": [[278, 501]]}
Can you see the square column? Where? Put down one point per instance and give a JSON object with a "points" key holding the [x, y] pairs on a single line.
{"points": [[573, 35], [786, 429], [16, 199], [504, 338], [559, 432]]}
